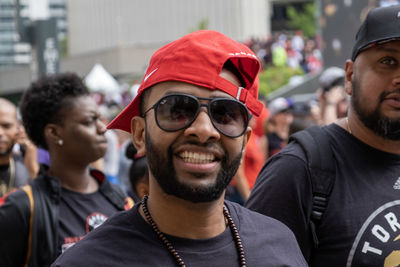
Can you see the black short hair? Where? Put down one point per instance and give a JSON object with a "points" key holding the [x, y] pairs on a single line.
{"points": [[232, 68], [42, 102], [138, 173]]}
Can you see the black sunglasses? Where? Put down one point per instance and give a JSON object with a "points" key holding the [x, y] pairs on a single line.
{"points": [[177, 111]]}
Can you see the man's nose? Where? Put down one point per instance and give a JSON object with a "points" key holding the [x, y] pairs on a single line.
{"points": [[396, 79], [203, 128]]}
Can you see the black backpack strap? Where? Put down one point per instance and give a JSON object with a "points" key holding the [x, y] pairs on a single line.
{"points": [[321, 163]]}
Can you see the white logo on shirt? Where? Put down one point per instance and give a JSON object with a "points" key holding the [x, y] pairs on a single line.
{"points": [[397, 184]]}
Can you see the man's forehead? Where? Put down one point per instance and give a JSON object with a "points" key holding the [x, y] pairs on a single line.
{"points": [[228, 75], [8, 111], [8, 118], [173, 87], [392, 46]]}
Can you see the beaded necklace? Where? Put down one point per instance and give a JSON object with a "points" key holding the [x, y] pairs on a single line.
{"points": [[171, 249]]}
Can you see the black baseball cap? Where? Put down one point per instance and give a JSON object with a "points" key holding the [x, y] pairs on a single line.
{"points": [[382, 24]]}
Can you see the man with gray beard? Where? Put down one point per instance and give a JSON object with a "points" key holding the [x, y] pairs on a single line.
{"points": [[356, 221]]}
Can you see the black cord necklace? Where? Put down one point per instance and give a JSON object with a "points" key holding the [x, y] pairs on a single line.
{"points": [[171, 249]]}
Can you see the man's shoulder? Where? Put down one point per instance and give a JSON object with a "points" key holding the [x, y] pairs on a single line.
{"points": [[14, 202], [19, 196], [249, 218], [258, 230], [304, 143]]}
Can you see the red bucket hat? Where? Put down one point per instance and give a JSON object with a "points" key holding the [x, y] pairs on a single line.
{"points": [[198, 58]]}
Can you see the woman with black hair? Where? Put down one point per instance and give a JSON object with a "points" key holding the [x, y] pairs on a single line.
{"points": [[68, 199]]}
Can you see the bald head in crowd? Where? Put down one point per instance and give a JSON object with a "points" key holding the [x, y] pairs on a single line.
{"points": [[8, 129], [15, 169]]}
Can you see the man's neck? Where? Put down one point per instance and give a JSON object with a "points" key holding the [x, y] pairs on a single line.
{"points": [[366, 135], [183, 218]]}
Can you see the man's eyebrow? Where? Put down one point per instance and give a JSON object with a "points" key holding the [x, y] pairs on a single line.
{"points": [[388, 49]]}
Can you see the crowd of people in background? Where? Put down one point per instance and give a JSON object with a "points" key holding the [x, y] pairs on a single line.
{"points": [[281, 49], [289, 49], [62, 173], [280, 118]]}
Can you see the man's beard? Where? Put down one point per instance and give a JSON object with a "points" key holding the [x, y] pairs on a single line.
{"points": [[164, 172], [381, 125], [6, 152]]}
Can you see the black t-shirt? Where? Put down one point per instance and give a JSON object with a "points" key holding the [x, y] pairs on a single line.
{"points": [[80, 214], [127, 240], [362, 221]]}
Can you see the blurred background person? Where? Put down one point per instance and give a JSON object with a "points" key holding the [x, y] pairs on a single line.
{"points": [[126, 154], [252, 162], [18, 156], [68, 199], [111, 158], [303, 116], [138, 174], [277, 126], [139, 178], [332, 98]]}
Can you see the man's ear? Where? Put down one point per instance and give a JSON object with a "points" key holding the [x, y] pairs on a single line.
{"points": [[246, 137], [138, 131], [348, 83]]}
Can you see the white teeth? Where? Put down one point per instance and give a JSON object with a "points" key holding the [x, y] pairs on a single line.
{"points": [[194, 157]]}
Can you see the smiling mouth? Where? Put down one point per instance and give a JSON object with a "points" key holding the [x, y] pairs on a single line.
{"points": [[197, 158], [396, 98]]}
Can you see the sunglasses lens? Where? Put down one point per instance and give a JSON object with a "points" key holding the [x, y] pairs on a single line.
{"points": [[229, 117], [175, 112]]}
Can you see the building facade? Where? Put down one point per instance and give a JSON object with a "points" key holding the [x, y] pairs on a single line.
{"points": [[13, 51], [15, 21], [123, 34]]}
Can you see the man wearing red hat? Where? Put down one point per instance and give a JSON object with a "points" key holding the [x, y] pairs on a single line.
{"points": [[190, 119], [345, 211]]}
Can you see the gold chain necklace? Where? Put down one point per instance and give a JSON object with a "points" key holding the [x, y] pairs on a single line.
{"points": [[171, 249], [348, 125], [11, 167]]}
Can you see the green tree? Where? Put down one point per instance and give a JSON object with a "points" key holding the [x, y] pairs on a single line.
{"points": [[274, 77], [202, 25], [64, 48], [303, 20]]}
